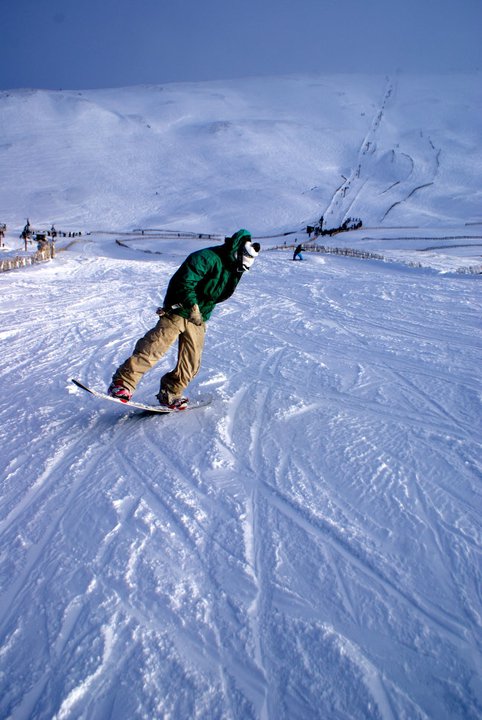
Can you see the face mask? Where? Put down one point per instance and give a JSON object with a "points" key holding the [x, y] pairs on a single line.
{"points": [[247, 254]]}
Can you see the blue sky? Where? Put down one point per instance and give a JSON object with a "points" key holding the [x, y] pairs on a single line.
{"points": [[81, 44]]}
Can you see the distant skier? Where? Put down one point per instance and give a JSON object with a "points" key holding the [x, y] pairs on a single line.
{"points": [[297, 253], [26, 234], [205, 278]]}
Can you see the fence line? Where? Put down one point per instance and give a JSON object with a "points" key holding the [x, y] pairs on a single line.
{"points": [[366, 255], [20, 261], [350, 252]]}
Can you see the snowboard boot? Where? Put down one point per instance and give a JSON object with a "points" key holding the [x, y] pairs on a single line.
{"points": [[167, 399], [117, 390]]}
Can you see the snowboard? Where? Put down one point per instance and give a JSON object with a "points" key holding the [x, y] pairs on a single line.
{"points": [[193, 404]]}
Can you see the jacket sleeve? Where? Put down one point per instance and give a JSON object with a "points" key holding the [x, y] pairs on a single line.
{"points": [[182, 289]]}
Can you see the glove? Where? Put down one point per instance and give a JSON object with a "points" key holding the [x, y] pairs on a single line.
{"points": [[167, 311], [195, 316]]}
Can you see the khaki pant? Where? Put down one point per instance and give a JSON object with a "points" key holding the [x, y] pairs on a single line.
{"points": [[155, 343]]}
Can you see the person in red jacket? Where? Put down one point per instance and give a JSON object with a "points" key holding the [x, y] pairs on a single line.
{"points": [[205, 278]]}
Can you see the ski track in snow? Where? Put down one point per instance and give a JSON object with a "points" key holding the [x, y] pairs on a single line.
{"points": [[384, 167], [308, 544]]}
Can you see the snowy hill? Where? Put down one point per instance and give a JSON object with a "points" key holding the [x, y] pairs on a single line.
{"points": [[308, 546], [203, 154]]}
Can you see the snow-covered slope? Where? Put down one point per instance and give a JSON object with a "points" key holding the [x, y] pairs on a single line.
{"points": [[272, 152], [308, 546]]}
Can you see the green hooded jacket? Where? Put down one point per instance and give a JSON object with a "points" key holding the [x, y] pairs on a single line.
{"points": [[206, 277]]}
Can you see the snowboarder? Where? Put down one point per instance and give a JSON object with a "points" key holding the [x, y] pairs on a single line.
{"points": [[204, 279], [297, 253]]}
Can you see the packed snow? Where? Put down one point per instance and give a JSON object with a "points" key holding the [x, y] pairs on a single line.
{"points": [[308, 545]]}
